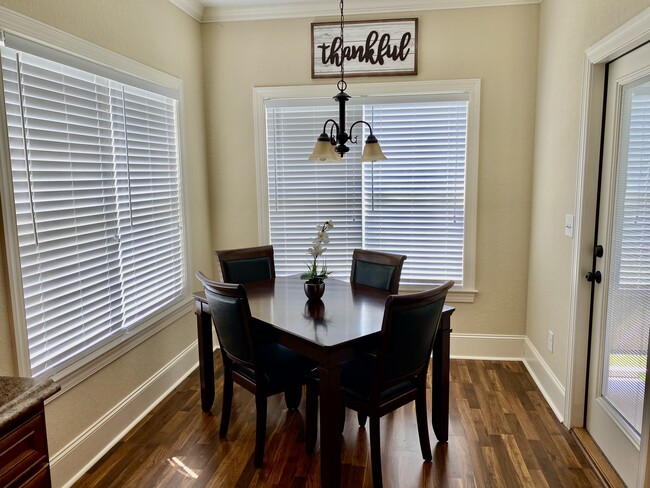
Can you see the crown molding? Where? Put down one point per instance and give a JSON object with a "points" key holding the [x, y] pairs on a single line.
{"points": [[193, 8], [322, 9]]}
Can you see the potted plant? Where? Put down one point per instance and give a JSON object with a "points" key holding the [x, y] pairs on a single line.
{"points": [[315, 277]]}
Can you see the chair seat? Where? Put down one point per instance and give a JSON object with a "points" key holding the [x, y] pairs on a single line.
{"points": [[357, 378], [281, 366]]}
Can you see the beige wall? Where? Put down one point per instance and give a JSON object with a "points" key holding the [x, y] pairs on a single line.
{"points": [[157, 34], [567, 29], [497, 45], [529, 59]]}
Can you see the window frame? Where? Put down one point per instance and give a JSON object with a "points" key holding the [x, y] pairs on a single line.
{"points": [[470, 87], [89, 54]]}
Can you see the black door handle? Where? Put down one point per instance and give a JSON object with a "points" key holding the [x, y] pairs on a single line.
{"points": [[597, 277], [598, 251]]}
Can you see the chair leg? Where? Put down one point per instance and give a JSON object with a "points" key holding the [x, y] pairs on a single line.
{"points": [[292, 396], [375, 452], [227, 402], [362, 417], [423, 426], [260, 429], [311, 427]]}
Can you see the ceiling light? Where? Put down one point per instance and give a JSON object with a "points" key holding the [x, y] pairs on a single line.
{"points": [[331, 144]]}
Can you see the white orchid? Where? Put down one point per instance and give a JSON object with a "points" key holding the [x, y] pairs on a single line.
{"points": [[317, 249]]}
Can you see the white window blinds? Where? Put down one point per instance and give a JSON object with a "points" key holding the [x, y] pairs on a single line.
{"points": [[411, 204], [414, 201], [303, 194], [96, 188]]}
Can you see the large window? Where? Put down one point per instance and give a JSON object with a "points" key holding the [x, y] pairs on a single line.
{"points": [[420, 202], [96, 192]]}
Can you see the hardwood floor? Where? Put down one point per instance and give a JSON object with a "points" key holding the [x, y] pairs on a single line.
{"points": [[502, 434]]}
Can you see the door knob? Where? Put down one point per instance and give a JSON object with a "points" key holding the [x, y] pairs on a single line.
{"points": [[598, 251], [597, 277]]}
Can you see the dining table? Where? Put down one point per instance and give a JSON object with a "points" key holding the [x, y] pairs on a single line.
{"points": [[345, 322]]}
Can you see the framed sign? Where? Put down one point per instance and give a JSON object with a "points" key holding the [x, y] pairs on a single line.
{"points": [[372, 48]]}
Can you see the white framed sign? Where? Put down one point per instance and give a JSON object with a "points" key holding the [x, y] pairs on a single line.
{"points": [[371, 48]]}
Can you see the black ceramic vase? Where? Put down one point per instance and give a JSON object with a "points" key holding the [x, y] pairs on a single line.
{"points": [[314, 290]]}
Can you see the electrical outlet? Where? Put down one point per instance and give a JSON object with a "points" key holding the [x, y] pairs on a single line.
{"points": [[549, 341]]}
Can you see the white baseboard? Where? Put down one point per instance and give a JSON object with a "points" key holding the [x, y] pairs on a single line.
{"points": [[512, 348], [71, 462], [546, 381], [487, 346]]}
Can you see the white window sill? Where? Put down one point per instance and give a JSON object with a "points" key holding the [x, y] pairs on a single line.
{"points": [[81, 370]]}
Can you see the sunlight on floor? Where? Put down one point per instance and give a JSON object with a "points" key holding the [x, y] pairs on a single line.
{"points": [[180, 466]]}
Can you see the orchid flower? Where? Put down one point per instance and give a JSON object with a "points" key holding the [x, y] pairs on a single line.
{"points": [[317, 249]]}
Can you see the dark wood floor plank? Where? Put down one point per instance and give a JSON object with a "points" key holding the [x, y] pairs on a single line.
{"points": [[502, 434]]}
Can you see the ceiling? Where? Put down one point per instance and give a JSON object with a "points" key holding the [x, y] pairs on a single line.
{"points": [[239, 10]]}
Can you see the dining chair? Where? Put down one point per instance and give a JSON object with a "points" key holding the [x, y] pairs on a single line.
{"points": [[376, 269], [377, 384], [246, 264], [262, 368]]}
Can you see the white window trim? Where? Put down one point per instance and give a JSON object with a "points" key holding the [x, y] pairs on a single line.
{"points": [[472, 87], [33, 30]]}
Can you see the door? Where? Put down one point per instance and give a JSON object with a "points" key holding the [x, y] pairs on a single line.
{"points": [[621, 305]]}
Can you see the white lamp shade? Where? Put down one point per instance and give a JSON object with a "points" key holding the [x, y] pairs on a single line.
{"points": [[372, 151], [324, 151]]}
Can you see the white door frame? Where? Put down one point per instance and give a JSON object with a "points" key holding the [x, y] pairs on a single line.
{"points": [[630, 35]]}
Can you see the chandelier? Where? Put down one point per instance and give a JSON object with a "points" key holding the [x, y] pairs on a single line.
{"points": [[331, 146]]}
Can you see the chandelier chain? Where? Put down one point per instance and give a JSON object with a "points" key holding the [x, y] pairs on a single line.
{"points": [[342, 85]]}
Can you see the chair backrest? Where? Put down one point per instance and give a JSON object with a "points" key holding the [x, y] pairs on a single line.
{"points": [[376, 269], [408, 331], [231, 316], [246, 264]]}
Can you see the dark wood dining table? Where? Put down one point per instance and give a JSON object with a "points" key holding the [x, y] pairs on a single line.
{"points": [[345, 322]]}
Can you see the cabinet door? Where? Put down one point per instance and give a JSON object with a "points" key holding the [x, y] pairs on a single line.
{"points": [[23, 453]]}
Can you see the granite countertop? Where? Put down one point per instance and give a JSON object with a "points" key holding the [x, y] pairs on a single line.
{"points": [[18, 395]]}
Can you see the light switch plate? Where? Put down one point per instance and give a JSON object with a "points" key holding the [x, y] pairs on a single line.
{"points": [[568, 225]]}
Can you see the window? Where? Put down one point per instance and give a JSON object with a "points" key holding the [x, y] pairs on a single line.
{"points": [[97, 198], [420, 202]]}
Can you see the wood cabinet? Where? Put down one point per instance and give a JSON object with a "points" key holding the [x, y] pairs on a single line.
{"points": [[24, 458]]}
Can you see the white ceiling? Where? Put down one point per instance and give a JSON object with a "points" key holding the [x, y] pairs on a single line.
{"points": [[237, 10]]}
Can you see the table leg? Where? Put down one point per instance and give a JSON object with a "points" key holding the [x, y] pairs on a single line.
{"points": [[330, 427], [440, 380], [206, 360]]}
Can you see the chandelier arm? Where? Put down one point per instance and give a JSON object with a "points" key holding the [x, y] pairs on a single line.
{"points": [[334, 126], [359, 122], [338, 128]]}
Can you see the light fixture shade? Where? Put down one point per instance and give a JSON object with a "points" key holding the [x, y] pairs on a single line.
{"points": [[324, 150], [372, 151]]}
